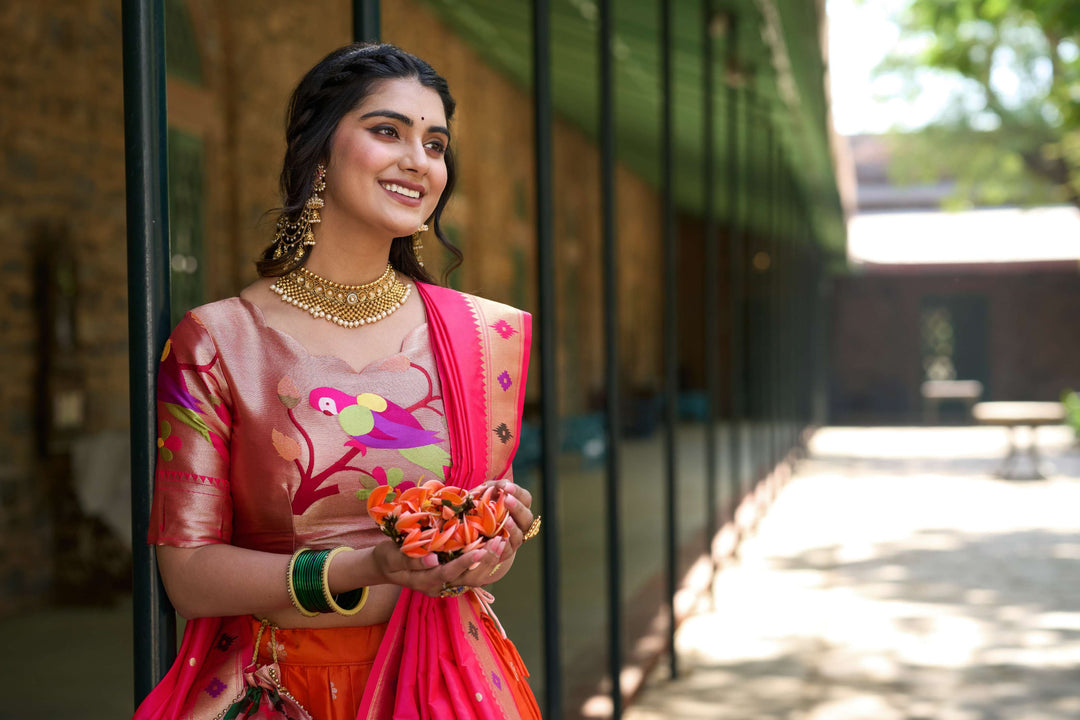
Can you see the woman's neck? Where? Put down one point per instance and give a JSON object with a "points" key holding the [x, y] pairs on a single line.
{"points": [[348, 256]]}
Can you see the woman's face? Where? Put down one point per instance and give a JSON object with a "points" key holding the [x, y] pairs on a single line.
{"points": [[387, 167]]}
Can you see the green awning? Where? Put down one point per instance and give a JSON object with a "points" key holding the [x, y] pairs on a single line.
{"points": [[768, 35]]}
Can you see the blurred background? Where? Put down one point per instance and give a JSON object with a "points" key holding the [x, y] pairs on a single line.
{"points": [[800, 249]]}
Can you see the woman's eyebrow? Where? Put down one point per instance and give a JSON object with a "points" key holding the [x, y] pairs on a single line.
{"points": [[404, 119]]}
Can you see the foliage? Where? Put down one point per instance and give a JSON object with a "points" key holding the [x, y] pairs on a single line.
{"points": [[1016, 116], [1071, 400]]}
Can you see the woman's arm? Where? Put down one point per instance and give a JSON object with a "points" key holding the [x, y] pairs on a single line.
{"points": [[222, 580]]}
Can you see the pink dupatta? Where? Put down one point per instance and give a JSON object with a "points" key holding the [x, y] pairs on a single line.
{"points": [[437, 661]]}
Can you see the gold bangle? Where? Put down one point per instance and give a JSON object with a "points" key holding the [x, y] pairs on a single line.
{"points": [[356, 598], [292, 590]]}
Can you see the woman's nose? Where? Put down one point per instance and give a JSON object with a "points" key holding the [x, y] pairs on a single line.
{"points": [[415, 158]]}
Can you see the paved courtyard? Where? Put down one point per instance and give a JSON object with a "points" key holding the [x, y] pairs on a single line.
{"points": [[895, 578]]}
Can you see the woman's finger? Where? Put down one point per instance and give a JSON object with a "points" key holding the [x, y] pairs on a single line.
{"points": [[521, 513], [516, 539], [479, 571], [450, 573], [520, 493]]}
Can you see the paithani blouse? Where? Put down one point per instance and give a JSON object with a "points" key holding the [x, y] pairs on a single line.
{"points": [[265, 446]]}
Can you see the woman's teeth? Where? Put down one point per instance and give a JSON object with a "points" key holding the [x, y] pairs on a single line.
{"points": [[392, 187]]}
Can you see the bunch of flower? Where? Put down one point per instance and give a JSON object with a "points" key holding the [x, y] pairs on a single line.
{"points": [[438, 518]]}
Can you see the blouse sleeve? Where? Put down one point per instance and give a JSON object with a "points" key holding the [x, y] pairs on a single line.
{"points": [[192, 503]]}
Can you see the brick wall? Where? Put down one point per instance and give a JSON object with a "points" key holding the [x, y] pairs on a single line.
{"points": [[1032, 348], [62, 197]]}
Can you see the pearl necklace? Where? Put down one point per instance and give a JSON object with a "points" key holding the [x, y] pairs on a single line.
{"points": [[349, 306]]}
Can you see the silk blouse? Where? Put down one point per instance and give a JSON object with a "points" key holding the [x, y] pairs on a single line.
{"points": [[265, 446]]}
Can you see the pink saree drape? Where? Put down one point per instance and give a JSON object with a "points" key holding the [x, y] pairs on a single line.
{"points": [[437, 662]]}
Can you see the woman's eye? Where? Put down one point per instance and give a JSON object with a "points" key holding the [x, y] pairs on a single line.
{"points": [[436, 146], [387, 130]]}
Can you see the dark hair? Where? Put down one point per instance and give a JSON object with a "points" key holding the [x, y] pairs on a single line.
{"points": [[334, 87]]}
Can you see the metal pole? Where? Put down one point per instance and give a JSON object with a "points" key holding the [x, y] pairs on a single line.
{"points": [[736, 263], [711, 269], [612, 408], [772, 316], [746, 307], [366, 20], [146, 181], [671, 317], [549, 405]]}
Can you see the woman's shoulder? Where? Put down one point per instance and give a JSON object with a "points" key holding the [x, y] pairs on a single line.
{"points": [[208, 327], [218, 316]]}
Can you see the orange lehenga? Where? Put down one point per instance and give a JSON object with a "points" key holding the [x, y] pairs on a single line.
{"points": [[248, 456]]}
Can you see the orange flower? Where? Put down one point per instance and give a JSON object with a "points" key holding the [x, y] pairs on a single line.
{"points": [[378, 506], [437, 518], [443, 535], [417, 542], [414, 498], [409, 520], [484, 519]]}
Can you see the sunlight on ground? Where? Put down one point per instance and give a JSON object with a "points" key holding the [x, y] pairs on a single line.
{"points": [[896, 577]]}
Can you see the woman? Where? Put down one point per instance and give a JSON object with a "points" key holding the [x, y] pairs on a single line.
{"points": [[341, 370]]}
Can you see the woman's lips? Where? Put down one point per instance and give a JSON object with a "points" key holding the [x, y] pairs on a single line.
{"points": [[407, 194]]}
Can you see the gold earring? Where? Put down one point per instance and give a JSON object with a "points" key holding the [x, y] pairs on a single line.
{"points": [[295, 237], [418, 244]]}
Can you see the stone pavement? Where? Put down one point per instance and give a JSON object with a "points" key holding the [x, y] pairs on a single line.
{"points": [[895, 578]]}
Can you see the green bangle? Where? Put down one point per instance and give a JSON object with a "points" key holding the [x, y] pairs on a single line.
{"points": [[307, 580], [289, 574], [346, 603]]}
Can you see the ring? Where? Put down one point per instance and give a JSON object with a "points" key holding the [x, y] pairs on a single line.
{"points": [[495, 569], [533, 530], [449, 591]]}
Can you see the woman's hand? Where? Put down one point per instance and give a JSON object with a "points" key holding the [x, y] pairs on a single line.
{"points": [[518, 502], [425, 574], [482, 566]]}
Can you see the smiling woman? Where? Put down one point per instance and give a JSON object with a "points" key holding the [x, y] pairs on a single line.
{"points": [[299, 607]]}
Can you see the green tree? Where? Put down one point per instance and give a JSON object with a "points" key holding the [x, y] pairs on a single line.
{"points": [[1016, 118]]}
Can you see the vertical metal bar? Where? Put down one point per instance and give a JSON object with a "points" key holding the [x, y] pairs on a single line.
{"points": [[746, 307], [146, 168], [769, 277], [671, 315], [549, 406], [366, 20], [736, 350], [711, 270], [785, 281], [612, 408]]}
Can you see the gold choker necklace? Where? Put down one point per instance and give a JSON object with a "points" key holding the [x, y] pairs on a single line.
{"points": [[346, 305]]}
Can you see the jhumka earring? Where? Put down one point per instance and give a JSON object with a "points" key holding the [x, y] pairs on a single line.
{"points": [[294, 237], [418, 244]]}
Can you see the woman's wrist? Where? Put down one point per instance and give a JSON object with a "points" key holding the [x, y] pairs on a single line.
{"points": [[355, 569]]}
